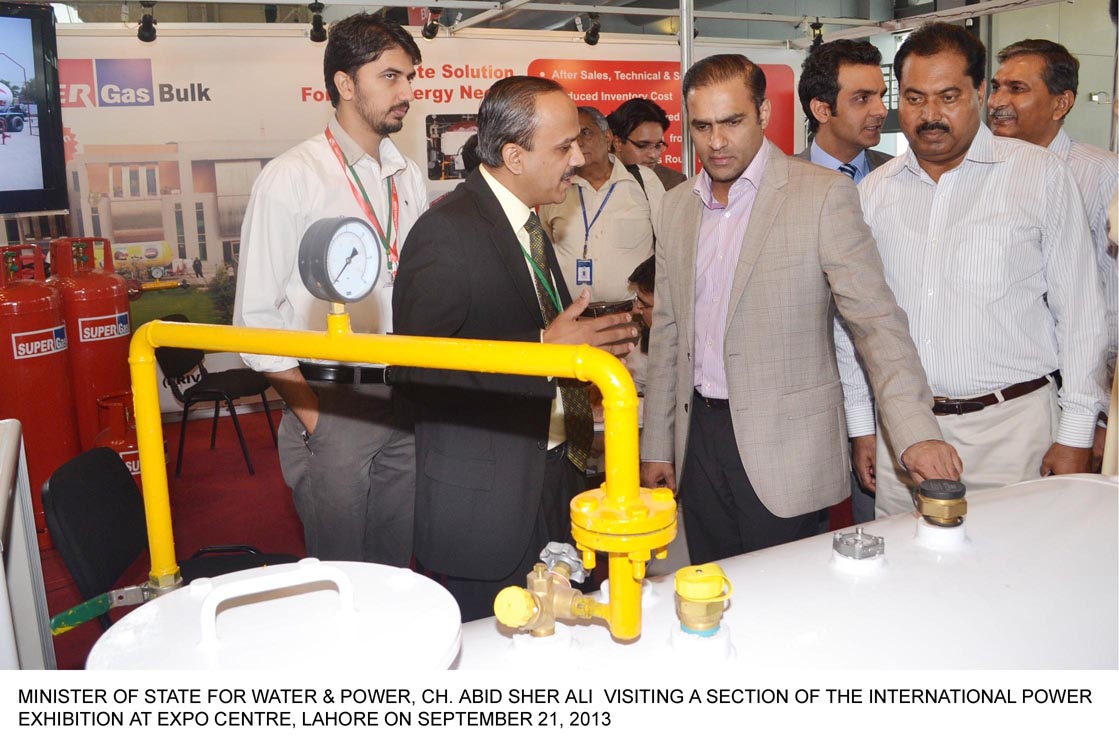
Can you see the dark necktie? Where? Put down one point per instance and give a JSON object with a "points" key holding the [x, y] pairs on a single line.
{"points": [[576, 398], [848, 169]]}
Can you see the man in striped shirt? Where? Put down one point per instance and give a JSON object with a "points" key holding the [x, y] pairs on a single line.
{"points": [[1031, 95], [985, 245]]}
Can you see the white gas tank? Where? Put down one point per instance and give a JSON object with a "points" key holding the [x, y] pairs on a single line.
{"points": [[307, 615], [1029, 581]]}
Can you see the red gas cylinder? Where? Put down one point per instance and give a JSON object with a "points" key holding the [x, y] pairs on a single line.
{"points": [[95, 306], [118, 430], [35, 372]]}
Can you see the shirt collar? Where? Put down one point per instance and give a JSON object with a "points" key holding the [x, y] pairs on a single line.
{"points": [[820, 157], [1061, 144], [750, 178], [516, 211], [392, 161], [618, 172], [982, 150]]}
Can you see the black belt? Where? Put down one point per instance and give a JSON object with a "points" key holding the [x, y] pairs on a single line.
{"points": [[960, 406], [712, 402], [345, 374]]}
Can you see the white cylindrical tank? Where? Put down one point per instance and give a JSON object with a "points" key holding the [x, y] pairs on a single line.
{"points": [[1029, 581]]}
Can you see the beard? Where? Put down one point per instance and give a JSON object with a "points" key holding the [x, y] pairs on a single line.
{"points": [[381, 122]]}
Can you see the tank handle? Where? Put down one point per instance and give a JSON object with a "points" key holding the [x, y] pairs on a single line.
{"points": [[306, 571]]}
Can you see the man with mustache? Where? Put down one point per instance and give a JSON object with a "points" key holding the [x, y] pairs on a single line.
{"points": [[1031, 95], [604, 227], [986, 247], [841, 90], [499, 457], [757, 254], [345, 450]]}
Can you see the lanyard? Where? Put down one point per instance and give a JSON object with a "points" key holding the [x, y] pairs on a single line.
{"points": [[588, 225], [547, 285], [385, 236]]}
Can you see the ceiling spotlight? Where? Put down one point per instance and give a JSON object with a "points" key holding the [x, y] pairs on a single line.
{"points": [[146, 31], [817, 33], [318, 30], [431, 28], [591, 37]]}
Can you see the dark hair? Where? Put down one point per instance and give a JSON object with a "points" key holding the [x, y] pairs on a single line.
{"points": [[720, 68], [1062, 70], [645, 275], [508, 114], [358, 40], [819, 77], [470, 159], [633, 113], [934, 38]]}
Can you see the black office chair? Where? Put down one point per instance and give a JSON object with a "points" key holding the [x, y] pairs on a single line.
{"points": [[214, 387], [95, 514]]}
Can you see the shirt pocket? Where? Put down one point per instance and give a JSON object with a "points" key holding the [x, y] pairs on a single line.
{"points": [[980, 268], [631, 233]]}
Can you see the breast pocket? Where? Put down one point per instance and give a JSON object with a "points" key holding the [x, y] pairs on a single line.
{"points": [[631, 233], [988, 261]]}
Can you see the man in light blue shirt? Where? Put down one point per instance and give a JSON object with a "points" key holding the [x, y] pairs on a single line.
{"points": [[841, 91]]}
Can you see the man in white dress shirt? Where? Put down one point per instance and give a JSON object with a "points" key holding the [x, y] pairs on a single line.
{"points": [[345, 450], [1031, 95], [985, 246]]}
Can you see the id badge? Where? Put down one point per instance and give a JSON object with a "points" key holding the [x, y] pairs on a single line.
{"points": [[584, 271]]}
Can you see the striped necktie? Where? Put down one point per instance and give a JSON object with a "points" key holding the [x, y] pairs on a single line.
{"points": [[848, 169], [577, 418]]}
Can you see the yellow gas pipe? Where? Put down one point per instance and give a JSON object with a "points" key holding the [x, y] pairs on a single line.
{"points": [[622, 519]]}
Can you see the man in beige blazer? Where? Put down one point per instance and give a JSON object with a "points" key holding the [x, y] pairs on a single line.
{"points": [[743, 395]]}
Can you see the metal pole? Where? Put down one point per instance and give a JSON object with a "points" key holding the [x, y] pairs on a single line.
{"points": [[686, 37]]}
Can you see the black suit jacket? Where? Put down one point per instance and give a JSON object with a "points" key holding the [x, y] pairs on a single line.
{"points": [[481, 439]]}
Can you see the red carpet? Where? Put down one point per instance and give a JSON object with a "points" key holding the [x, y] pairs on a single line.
{"points": [[215, 502]]}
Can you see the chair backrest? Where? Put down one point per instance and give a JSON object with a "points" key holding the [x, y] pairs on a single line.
{"points": [[174, 363], [95, 515]]}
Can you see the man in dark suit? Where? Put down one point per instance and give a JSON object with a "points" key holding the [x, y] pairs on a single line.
{"points": [[841, 91], [499, 457]]}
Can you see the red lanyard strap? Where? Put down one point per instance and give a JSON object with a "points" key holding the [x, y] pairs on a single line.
{"points": [[387, 238]]}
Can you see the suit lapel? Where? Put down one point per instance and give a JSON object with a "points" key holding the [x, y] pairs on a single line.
{"points": [[767, 205], [504, 241], [693, 215]]}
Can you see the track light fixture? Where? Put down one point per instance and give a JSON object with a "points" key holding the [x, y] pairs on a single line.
{"points": [[817, 33], [591, 37], [146, 30], [431, 28], [318, 30]]}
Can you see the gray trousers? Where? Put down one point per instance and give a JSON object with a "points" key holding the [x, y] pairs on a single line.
{"points": [[354, 479]]}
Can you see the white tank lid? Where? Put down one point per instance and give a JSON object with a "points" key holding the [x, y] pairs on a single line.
{"points": [[310, 615]]}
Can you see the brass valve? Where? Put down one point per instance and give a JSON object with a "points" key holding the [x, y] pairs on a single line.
{"points": [[548, 597], [941, 502], [701, 595]]}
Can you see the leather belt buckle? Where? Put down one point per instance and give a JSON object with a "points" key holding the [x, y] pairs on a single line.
{"points": [[955, 407]]}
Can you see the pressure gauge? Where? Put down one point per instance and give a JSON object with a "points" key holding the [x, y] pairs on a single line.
{"points": [[340, 259]]}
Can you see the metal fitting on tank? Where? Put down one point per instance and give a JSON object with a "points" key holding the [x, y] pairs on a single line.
{"points": [[941, 502], [548, 594], [701, 596]]}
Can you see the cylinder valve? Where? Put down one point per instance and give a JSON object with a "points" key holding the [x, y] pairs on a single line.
{"points": [[941, 501], [701, 596]]}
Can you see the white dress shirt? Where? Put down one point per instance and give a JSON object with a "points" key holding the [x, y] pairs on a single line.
{"points": [[301, 186], [619, 240], [994, 267], [1096, 172], [517, 213]]}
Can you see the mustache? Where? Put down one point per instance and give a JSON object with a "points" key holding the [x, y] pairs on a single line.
{"points": [[1002, 111], [569, 173], [933, 126]]}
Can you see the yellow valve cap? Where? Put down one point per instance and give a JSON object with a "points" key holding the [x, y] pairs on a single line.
{"points": [[514, 606], [705, 583]]}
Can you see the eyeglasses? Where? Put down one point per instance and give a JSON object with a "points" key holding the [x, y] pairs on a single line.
{"points": [[640, 304], [658, 146]]}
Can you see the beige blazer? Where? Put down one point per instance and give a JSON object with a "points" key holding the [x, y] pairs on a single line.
{"points": [[806, 253]]}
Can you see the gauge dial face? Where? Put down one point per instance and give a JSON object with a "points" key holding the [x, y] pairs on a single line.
{"points": [[339, 259]]}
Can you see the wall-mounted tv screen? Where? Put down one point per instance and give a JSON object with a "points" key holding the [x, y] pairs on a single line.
{"points": [[32, 156]]}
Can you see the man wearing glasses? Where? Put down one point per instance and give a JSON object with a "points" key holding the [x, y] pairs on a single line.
{"points": [[638, 127]]}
